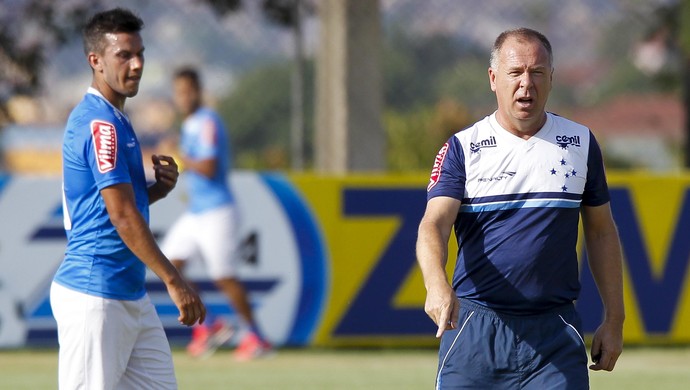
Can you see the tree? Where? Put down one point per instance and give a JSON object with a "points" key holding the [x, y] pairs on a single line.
{"points": [[415, 67], [30, 31], [684, 40], [415, 136], [257, 111], [288, 14]]}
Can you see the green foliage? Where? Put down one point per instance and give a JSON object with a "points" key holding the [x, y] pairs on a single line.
{"points": [[409, 147], [425, 79], [414, 67], [258, 115], [30, 30], [414, 137], [467, 82]]}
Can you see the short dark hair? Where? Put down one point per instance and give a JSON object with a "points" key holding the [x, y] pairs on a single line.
{"points": [[117, 20], [522, 32], [189, 73]]}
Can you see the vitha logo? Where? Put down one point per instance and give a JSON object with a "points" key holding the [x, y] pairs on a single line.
{"points": [[438, 164], [485, 143], [105, 145]]}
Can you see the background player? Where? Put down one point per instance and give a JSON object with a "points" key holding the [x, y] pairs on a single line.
{"points": [[513, 186], [109, 333], [210, 226]]}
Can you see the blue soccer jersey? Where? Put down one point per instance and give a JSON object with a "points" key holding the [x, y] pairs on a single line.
{"points": [[204, 137], [517, 225], [100, 149]]}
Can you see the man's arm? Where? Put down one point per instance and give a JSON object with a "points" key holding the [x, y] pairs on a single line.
{"points": [[432, 254], [206, 167], [605, 263], [132, 228]]}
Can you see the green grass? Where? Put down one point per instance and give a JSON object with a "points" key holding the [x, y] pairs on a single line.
{"points": [[638, 368]]}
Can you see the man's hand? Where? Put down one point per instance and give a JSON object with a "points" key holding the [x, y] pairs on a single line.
{"points": [[442, 306], [607, 346], [167, 172], [187, 301]]}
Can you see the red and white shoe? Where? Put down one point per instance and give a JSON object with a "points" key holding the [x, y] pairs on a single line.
{"points": [[252, 347], [207, 339]]}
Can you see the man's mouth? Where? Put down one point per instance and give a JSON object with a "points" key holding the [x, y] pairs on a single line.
{"points": [[525, 101]]}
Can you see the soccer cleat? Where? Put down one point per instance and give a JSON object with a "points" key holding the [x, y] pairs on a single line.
{"points": [[206, 340], [252, 347]]}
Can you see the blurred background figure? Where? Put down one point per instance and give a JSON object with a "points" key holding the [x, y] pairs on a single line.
{"points": [[209, 228]]}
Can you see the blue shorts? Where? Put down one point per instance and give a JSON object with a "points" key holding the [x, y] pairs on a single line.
{"points": [[490, 350]]}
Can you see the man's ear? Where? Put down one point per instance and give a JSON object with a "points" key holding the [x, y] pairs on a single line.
{"points": [[492, 79], [94, 61]]}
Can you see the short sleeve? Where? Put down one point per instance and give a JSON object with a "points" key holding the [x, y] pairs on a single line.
{"points": [[104, 153], [596, 191], [448, 173], [205, 145]]}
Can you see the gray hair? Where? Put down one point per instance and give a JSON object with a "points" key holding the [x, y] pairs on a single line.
{"points": [[519, 33]]}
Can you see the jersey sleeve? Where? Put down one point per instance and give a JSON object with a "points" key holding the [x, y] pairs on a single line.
{"points": [[448, 173], [596, 191], [104, 153], [205, 145]]}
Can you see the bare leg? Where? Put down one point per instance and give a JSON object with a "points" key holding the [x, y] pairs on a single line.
{"points": [[237, 295], [181, 265]]}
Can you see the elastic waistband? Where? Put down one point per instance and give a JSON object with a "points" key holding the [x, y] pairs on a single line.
{"points": [[473, 306]]}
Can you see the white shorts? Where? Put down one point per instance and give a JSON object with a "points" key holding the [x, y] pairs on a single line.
{"points": [[211, 236], [110, 344]]}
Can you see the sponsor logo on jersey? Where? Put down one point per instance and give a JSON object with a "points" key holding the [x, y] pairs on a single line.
{"points": [[208, 133], [485, 143], [438, 164], [502, 176], [564, 141], [105, 145]]}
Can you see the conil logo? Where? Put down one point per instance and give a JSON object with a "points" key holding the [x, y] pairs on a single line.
{"points": [[105, 145], [563, 141]]}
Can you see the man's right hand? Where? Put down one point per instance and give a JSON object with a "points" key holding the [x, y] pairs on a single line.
{"points": [[442, 306]]}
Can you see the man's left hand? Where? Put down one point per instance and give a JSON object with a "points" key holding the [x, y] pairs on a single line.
{"points": [[166, 171]]}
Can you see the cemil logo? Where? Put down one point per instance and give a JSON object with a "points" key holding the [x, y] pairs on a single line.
{"points": [[485, 143], [438, 164], [105, 145]]}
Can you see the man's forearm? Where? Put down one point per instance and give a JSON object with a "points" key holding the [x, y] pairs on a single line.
{"points": [[432, 253], [136, 234], [605, 263], [156, 193]]}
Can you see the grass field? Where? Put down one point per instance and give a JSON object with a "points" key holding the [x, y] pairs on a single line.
{"points": [[638, 368]]}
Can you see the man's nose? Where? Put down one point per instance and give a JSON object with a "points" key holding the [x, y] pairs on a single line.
{"points": [[137, 62], [526, 80]]}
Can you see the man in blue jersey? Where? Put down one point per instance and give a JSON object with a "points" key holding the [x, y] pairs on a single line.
{"points": [[513, 187], [209, 228], [109, 333]]}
